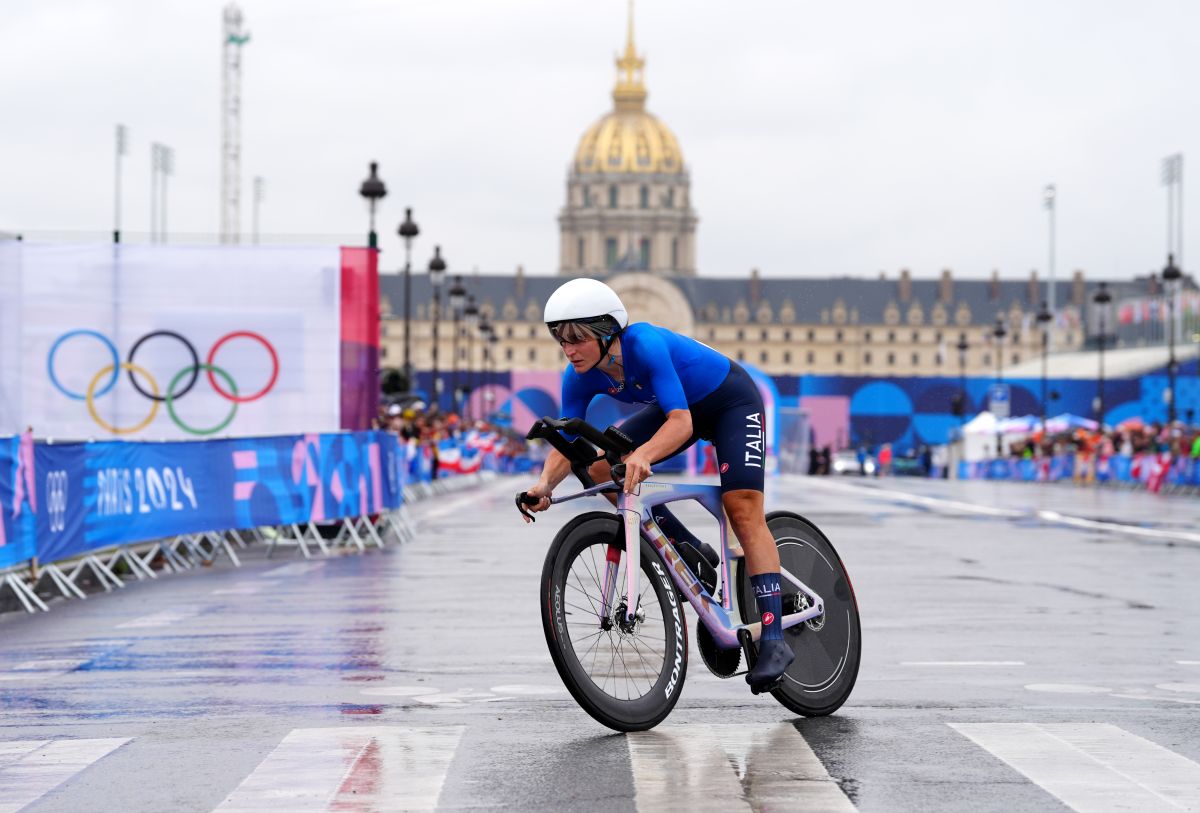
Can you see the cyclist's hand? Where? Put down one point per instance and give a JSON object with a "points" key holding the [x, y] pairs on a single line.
{"points": [[540, 490], [637, 469]]}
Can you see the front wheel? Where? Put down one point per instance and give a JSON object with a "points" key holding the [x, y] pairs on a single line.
{"points": [[828, 647], [628, 676]]}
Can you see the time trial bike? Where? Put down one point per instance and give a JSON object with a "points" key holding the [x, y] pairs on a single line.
{"points": [[612, 612]]}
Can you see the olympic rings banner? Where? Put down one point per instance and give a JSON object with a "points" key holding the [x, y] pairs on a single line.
{"points": [[79, 497], [163, 342]]}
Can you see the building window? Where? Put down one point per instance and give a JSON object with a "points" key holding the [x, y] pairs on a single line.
{"points": [[837, 357], [674, 254], [1016, 358], [937, 337], [741, 356], [741, 335], [916, 337], [987, 359], [383, 352], [809, 357], [533, 332], [937, 358], [644, 197], [916, 359], [671, 197], [867, 357], [532, 354], [508, 354], [812, 335], [891, 359], [787, 335], [787, 357], [762, 357], [891, 337], [612, 196], [838, 336], [712, 334], [579, 253], [508, 332], [610, 252], [866, 336], [765, 335], [644, 249]]}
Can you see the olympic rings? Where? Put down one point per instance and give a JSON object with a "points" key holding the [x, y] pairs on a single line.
{"points": [[112, 348], [91, 399], [229, 391], [195, 370], [247, 398], [195, 364]]}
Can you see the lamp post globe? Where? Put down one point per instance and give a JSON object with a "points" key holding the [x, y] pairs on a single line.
{"points": [[437, 274], [1171, 276], [373, 190], [408, 231]]}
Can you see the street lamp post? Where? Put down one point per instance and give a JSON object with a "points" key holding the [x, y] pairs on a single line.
{"points": [[408, 230], [1048, 196], [1171, 276], [999, 332], [962, 348], [437, 271], [471, 315], [1101, 298], [373, 190], [485, 337], [458, 298], [1043, 317]]}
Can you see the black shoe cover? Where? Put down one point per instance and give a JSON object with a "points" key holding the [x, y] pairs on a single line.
{"points": [[774, 657]]}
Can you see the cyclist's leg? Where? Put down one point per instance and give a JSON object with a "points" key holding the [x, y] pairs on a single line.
{"points": [[739, 436]]}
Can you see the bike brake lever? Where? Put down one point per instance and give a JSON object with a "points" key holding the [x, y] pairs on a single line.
{"points": [[523, 499]]}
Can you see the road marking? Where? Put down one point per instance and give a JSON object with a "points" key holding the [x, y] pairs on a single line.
{"points": [[1092, 767], [165, 618], [29, 769], [293, 569], [248, 589], [730, 767], [385, 768], [962, 663], [1067, 688], [1188, 663]]}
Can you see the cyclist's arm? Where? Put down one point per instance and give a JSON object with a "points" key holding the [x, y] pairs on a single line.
{"points": [[669, 437], [554, 471]]}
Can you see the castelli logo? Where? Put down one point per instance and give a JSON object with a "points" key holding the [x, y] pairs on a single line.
{"points": [[724, 468], [768, 619], [612, 390]]}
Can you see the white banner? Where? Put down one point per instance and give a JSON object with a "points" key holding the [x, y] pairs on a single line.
{"points": [[168, 342]]}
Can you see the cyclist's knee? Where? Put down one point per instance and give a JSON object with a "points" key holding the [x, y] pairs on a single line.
{"points": [[745, 509], [600, 470]]}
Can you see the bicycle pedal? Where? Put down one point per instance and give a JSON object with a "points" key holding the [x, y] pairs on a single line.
{"points": [[770, 687]]}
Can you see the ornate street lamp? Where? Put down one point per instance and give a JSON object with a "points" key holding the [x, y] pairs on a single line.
{"points": [[1101, 299], [408, 230], [437, 272], [457, 299], [1044, 316], [1171, 276], [485, 336], [999, 332], [373, 190]]}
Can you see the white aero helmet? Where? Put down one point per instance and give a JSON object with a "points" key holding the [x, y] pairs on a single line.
{"points": [[588, 301]]}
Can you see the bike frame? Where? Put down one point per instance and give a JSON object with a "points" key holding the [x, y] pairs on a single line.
{"points": [[636, 510]]}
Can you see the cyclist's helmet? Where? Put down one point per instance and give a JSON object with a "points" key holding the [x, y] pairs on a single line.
{"points": [[588, 304]]}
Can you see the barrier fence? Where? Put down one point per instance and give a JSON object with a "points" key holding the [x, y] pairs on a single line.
{"points": [[1152, 470], [119, 507]]}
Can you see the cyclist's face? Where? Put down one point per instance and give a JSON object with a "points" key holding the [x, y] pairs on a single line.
{"points": [[582, 354]]}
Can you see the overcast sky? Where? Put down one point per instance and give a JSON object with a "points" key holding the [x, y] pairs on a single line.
{"points": [[822, 138]]}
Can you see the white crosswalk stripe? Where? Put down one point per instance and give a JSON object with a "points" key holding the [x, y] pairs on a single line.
{"points": [[724, 767], [1093, 767], [381, 768], [29, 769]]}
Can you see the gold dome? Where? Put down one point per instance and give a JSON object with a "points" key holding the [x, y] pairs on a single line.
{"points": [[629, 139]]}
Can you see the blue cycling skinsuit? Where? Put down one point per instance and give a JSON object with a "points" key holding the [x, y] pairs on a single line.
{"points": [[668, 371]]}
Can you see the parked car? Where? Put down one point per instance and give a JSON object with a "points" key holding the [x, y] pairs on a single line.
{"points": [[846, 462]]}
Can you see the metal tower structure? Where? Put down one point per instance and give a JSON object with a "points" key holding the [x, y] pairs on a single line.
{"points": [[231, 124]]}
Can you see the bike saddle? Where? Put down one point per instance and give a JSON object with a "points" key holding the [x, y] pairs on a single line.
{"points": [[774, 657]]}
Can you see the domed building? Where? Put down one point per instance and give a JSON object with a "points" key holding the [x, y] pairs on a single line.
{"points": [[628, 191]]}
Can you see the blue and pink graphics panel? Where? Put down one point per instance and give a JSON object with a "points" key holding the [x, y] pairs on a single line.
{"points": [[88, 496]]}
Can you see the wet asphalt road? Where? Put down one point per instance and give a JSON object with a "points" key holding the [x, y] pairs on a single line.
{"points": [[1012, 660]]}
